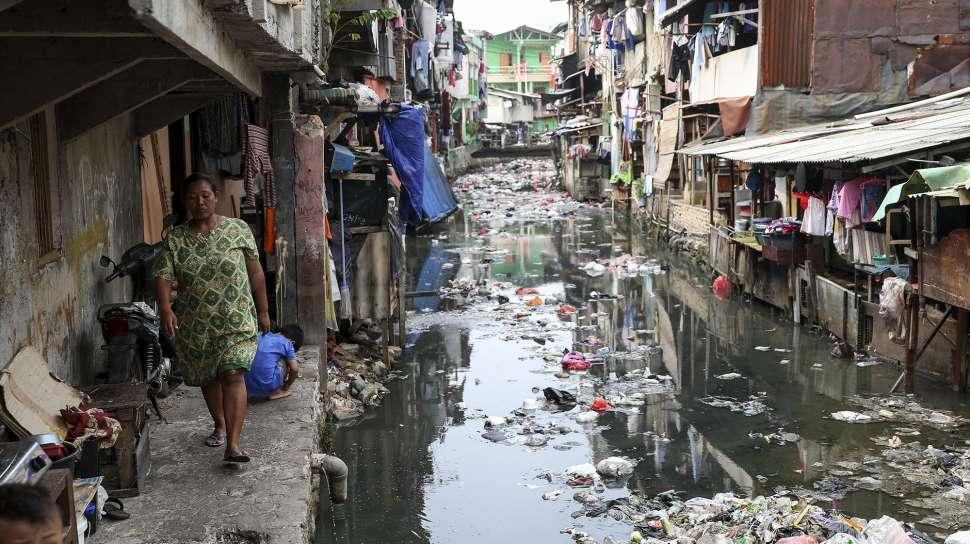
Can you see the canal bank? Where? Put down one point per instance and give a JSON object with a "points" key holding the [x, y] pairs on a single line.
{"points": [[191, 496], [750, 410]]}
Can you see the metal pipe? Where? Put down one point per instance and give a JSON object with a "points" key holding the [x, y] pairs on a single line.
{"points": [[335, 470]]}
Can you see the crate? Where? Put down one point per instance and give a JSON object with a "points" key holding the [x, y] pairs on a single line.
{"points": [[59, 484], [787, 242], [784, 256], [126, 464]]}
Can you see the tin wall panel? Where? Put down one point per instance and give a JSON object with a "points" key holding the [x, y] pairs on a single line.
{"points": [[787, 33]]}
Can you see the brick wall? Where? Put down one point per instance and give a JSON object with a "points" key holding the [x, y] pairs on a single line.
{"points": [[695, 219]]}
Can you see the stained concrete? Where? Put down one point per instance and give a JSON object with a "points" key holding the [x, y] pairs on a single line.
{"points": [[95, 198], [191, 497]]}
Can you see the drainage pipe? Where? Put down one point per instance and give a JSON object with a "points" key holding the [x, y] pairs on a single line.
{"points": [[335, 470]]}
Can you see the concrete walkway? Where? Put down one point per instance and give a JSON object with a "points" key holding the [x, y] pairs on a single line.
{"points": [[191, 497]]}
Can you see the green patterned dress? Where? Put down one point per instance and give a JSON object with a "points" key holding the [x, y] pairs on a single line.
{"points": [[215, 309]]}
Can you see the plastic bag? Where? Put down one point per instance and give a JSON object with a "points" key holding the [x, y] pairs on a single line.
{"points": [[803, 539], [892, 305], [887, 530], [614, 467]]}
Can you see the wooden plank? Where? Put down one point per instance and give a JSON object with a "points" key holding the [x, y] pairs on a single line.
{"points": [[355, 176], [939, 263]]}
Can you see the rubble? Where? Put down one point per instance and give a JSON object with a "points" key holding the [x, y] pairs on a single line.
{"points": [[905, 409], [355, 378], [667, 518]]}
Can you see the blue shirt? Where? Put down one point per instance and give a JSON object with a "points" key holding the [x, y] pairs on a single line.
{"points": [[266, 374]]}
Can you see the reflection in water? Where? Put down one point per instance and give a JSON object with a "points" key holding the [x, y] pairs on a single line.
{"points": [[420, 472]]}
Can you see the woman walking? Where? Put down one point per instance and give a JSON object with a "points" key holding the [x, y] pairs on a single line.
{"points": [[212, 263]]}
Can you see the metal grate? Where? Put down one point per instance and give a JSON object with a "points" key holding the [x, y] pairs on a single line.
{"points": [[40, 161], [865, 338]]}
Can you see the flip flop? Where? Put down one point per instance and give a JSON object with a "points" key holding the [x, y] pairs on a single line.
{"points": [[115, 510], [238, 457], [215, 440]]}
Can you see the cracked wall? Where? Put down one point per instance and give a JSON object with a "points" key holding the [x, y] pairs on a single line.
{"points": [[96, 209]]}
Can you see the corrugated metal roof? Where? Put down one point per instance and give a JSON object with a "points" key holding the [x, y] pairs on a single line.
{"points": [[851, 141]]}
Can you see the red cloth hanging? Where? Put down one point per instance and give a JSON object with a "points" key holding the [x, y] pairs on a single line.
{"points": [[269, 231]]}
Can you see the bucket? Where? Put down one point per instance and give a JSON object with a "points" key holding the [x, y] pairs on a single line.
{"points": [[68, 460], [741, 225]]}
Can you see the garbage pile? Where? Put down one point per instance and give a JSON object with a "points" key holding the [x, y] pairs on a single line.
{"points": [[355, 378], [932, 479], [905, 409], [625, 265], [508, 191], [728, 519]]}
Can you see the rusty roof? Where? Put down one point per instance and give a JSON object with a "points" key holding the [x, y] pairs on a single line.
{"points": [[852, 140]]}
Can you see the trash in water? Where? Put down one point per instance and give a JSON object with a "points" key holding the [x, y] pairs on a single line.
{"points": [[614, 467], [763, 348], [587, 417], [600, 405], [594, 269], [559, 396], [495, 421], [729, 376], [566, 309], [574, 361], [851, 417], [748, 408], [552, 495], [495, 435]]}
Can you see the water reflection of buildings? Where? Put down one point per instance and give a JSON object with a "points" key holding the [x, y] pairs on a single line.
{"points": [[704, 450], [389, 453]]}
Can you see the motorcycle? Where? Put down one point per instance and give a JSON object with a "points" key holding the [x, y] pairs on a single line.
{"points": [[137, 350]]}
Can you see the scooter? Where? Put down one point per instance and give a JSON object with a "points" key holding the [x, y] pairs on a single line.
{"points": [[137, 350]]}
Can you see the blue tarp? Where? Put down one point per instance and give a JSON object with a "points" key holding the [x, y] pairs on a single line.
{"points": [[438, 201], [434, 276], [403, 137]]}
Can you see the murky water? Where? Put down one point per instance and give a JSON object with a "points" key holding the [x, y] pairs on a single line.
{"points": [[422, 472]]}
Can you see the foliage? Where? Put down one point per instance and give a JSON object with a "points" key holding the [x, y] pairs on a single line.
{"points": [[332, 16]]}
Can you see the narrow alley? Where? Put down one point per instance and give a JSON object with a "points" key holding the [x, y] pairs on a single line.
{"points": [[707, 396]]}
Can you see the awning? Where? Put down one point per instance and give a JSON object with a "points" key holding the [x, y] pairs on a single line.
{"points": [[552, 96], [676, 12], [921, 127], [922, 181], [567, 130]]}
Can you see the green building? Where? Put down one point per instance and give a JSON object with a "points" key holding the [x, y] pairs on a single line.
{"points": [[520, 61]]}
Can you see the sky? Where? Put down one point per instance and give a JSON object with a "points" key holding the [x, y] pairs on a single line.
{"points": [[498, 16]]}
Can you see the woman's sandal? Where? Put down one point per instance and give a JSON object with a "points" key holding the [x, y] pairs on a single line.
{"points": [[237, 456], [215, 440]]}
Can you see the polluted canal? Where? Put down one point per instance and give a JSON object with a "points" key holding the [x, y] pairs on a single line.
{"points": [[488, 432]]}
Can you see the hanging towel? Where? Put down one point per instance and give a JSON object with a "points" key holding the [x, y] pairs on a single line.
{"points": [[258, 162], [814, 220]]}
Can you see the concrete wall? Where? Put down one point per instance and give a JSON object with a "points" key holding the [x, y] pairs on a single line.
{"points": [[96, 201]]}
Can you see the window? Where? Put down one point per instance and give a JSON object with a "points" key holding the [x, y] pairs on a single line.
{"points": [[505, 59], [41, 170], [544, 58]]}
